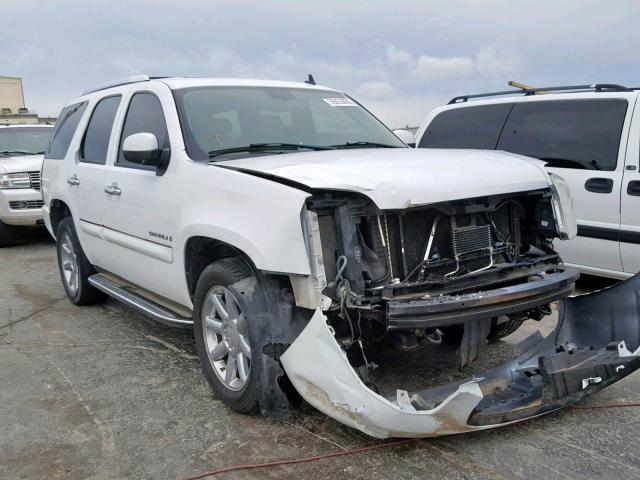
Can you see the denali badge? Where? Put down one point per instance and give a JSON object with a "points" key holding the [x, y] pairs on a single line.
{"points": [[161, 236]]}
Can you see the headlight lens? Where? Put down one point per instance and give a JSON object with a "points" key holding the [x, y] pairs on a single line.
{"points": [[14, 180], [562, 203]]}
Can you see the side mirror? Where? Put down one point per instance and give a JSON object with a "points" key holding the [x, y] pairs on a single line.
{"points": [[142, 148], [406, 136]]}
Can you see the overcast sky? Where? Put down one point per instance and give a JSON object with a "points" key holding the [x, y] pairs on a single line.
{"points": [[400, 58]]}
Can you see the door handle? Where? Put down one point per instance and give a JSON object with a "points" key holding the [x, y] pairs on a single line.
{"points": [[73, 180], [113, 189], [599, 185], [633, 188]]}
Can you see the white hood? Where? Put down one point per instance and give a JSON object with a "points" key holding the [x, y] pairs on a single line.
{"points": [[21, 163], [396, 178]]}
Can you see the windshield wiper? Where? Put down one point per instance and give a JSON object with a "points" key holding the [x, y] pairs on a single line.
{"points": [[261, 147], [569, 163], [365, 145], [18, 152]]}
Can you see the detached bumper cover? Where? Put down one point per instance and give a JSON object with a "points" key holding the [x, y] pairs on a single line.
{"points": [[595, 344]]}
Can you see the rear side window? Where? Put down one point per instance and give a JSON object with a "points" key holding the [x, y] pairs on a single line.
{"points": [[145, 114], [582, 134], [467, 127], [64, 130], [96, 138]]}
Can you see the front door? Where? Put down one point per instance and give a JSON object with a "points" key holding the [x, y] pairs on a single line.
{"points": [[141, 212], [580, 139], [630, 211]]}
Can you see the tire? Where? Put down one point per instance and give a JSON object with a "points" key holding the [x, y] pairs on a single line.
{"points": [[80, 292], [504, 329], [8, 235], [238, 393]]}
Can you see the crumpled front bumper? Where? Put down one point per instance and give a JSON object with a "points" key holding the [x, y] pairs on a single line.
{"points": [[596, 343]]}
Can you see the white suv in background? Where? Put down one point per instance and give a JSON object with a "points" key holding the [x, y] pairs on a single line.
{"points": [[587, 134], [294, 232], [21, 151]]}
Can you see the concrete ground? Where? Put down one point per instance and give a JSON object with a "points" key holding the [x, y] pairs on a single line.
{"points": [[101, 393]]}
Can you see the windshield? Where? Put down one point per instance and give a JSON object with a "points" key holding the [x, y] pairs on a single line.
{"points": [[222, 121], [24, 140]]}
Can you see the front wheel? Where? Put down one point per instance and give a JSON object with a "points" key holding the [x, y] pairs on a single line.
{"points": [[504, 329], [222, 336]]}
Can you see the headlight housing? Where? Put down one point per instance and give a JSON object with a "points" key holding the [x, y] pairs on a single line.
{"points": [[562, 203], [14, 180]]}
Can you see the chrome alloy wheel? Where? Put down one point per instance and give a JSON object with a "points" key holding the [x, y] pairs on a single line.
{"points": [[69, 262], [226, 338]]}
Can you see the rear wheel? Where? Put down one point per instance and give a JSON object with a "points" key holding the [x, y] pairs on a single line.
{"points": [[74, 267], [8, 235], [222, 335]]}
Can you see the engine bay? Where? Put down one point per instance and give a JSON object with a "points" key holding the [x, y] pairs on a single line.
{"points": [[457, 271]]}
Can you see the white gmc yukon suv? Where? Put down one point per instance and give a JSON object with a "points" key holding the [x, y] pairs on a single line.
{"points": [[297, 235], [21, 150]]}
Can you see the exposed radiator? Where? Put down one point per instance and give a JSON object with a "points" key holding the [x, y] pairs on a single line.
{"points": [[471, 239]]}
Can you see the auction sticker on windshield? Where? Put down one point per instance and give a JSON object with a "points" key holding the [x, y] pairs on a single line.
{"points": [[340, 102]]}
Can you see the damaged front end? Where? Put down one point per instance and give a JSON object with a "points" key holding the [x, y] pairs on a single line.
{"points": [[596, 343], [462, 272]]}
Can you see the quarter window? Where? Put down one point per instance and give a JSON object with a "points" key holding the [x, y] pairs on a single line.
{"points": [[145, 114], [96, 138], [64, 130]]}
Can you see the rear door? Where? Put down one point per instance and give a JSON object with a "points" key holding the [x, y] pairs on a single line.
{"points": [[580, 138], [630, 212], [87, 176]]}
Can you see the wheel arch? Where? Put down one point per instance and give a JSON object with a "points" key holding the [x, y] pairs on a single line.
{"points": [[58, 210], [201, 251]]}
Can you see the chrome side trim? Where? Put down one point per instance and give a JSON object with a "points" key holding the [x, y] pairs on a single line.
{"points": [[151, 249], [140, 304]]}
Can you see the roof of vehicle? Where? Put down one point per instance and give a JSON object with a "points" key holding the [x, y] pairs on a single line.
{"points": [[564, 89], [182, 82]]}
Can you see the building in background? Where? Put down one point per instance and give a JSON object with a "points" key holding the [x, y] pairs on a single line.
{"points": [[13, 110]]}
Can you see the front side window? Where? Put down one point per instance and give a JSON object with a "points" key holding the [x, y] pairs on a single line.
{"points": [[582, 134], [64, 130], [24, 140], [144, 114], [96, 138], [215, 119], [476, 127]]}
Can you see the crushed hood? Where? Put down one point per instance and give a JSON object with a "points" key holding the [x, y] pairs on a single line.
{"points": [[21, 163], [396, 178]]}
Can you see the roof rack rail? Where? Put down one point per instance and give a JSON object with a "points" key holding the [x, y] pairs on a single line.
{"points": [[598, 87], [118, 82]]}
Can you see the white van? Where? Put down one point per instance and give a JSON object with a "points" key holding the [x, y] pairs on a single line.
{"points": [[587, 134]]}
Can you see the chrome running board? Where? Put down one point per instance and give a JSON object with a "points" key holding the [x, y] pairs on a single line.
{"points": [[143, 305]]}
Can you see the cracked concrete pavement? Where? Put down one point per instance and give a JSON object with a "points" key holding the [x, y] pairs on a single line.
{"points": [[103, 393]]}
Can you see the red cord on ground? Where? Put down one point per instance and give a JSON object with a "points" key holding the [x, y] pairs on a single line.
{"points": [[378, 446], [323, 456], [605, 406]]}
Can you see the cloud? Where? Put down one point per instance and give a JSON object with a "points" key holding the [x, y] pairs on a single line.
{"points": [[499, 61], [397, 56], [439, 68], [376, 91], [400, 65]]}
